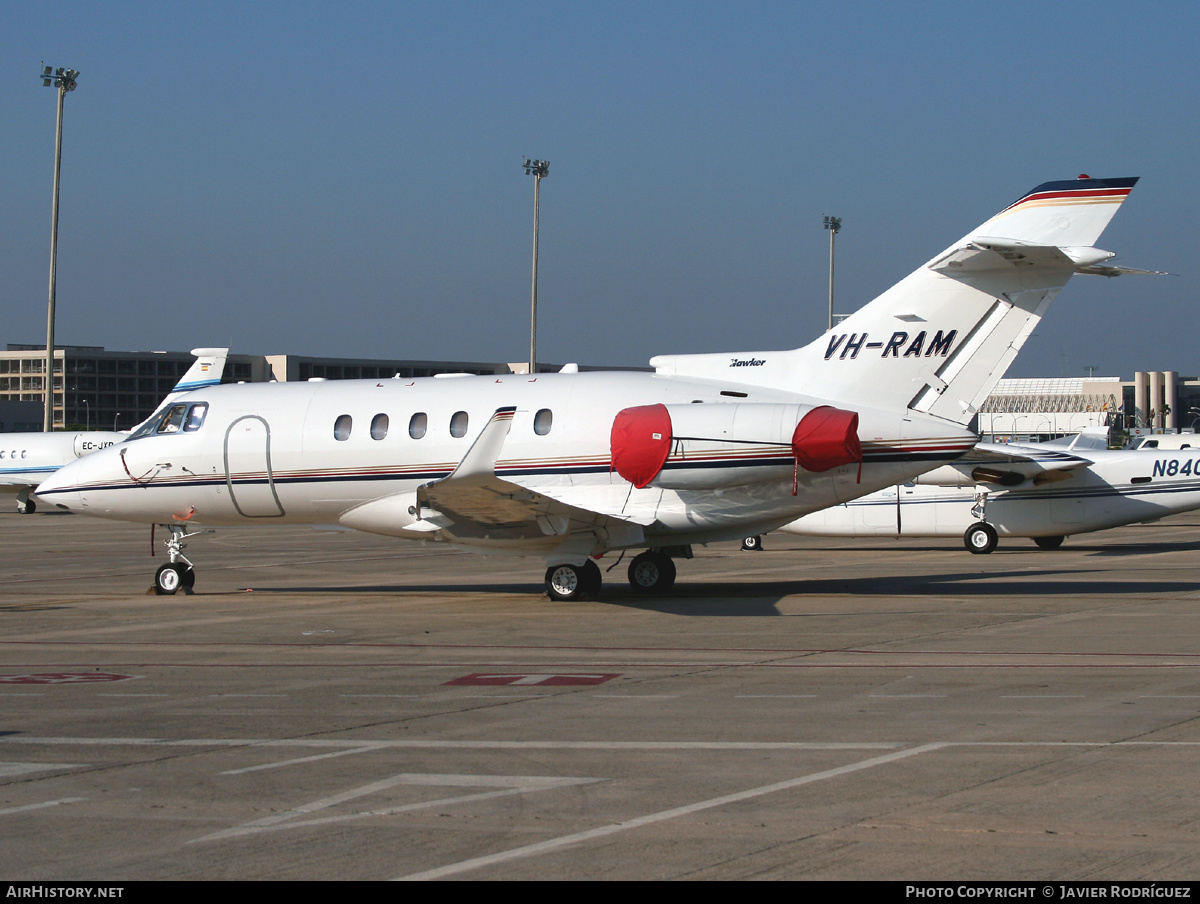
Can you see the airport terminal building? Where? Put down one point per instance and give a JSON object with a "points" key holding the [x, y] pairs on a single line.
{"points": [[95, 388]]}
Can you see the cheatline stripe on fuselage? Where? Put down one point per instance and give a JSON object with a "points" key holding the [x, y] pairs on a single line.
{"points": [[1034, 495], [919, 450]]}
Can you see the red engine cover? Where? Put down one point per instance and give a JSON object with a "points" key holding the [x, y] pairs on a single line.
{"points": [[825, 438], [641, 441]]}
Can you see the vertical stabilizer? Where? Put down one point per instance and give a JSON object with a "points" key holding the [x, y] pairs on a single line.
{"points": [[206, 370], [939, 340]]}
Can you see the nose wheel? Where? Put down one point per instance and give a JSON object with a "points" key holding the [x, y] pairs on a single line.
{"points": [[179, 573], [169, 579]]}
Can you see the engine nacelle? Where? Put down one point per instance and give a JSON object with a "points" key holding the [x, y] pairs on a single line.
{"points": [[86, 443], [708, 446]]}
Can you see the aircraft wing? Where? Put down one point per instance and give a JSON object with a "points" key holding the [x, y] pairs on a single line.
{"points": [[1006, 465], [472, 503]]}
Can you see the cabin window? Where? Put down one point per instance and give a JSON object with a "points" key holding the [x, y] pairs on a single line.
{"points": [[418, 424], [543, 421], [342, 427], [379, 426], [458, 424]]}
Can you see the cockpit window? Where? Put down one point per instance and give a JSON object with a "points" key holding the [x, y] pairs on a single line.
{"points": [[183, 418], [172, 421], [195, 418]]}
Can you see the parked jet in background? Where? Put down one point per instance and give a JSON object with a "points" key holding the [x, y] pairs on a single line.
{"points": [[570, 466], [1046, 491], [26, 459]]}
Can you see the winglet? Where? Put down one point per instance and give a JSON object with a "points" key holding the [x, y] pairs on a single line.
{"points": [[480, 460]]}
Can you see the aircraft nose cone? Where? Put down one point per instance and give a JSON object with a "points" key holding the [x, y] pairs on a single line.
{"points": [[63, 488]]}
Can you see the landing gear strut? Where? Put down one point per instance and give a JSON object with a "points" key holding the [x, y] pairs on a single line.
{"points": [[25, 505], [179, 573]]}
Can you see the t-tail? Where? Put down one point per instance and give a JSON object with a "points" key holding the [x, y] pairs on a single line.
{"points": [[940, 339], [206, 370]]}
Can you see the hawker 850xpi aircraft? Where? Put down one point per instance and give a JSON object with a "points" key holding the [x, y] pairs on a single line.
{"points": [[571, 466], [26, 459]]}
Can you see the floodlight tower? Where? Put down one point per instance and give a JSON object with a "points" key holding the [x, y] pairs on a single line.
{"points": [[537, 169], [64, 81], [834, 225]]}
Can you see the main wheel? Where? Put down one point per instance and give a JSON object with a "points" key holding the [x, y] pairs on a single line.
{"points": [[1048, 542], [26, 507], [980, 538], [652, 572], [187, 577], [752, 544], [169, 578], [573, 582]]}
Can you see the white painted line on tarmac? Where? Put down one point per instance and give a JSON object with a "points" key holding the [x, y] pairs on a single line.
{"points": [[416, 744], [8, 770], [503, 786], [43, 805], [651, 818], [304, 759]]}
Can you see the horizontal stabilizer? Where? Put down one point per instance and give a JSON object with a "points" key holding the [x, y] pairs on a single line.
{"points": [[1004, 465]]}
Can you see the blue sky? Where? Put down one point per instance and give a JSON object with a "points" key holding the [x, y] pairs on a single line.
{"points": [[345, 179]]}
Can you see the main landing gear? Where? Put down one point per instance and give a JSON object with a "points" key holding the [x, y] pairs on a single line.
{"points": [[1048, 542], [980, 538], [179, 573], [652, 572]]}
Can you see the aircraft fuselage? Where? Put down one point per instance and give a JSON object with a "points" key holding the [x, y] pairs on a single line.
{"points": [[312, 452]]}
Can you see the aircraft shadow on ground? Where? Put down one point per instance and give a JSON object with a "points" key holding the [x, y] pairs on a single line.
{"points": [[742, 598]]}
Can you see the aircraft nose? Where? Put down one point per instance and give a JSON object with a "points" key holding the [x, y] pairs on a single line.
{"points": [[64, 488]]}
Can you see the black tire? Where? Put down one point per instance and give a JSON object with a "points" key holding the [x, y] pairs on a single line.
{"points": [[592, 579], [652, 573], [1048, 542], [168, 580], [28, 507], [572, 582], [752, 544], [187, 577], [980, 538]]}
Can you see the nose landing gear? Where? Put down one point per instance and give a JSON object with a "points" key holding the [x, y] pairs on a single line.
{"points": [[179, 573]]}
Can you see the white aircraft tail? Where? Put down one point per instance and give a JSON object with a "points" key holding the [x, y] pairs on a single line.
{"points": [[206, 370], [940, 339]]}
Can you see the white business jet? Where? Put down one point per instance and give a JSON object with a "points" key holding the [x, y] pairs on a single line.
{"points": [[572, 466], [26, 459], [1046, 491]]}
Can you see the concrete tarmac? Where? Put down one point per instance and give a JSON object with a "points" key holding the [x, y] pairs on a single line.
{"points": [[341, 706]]}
